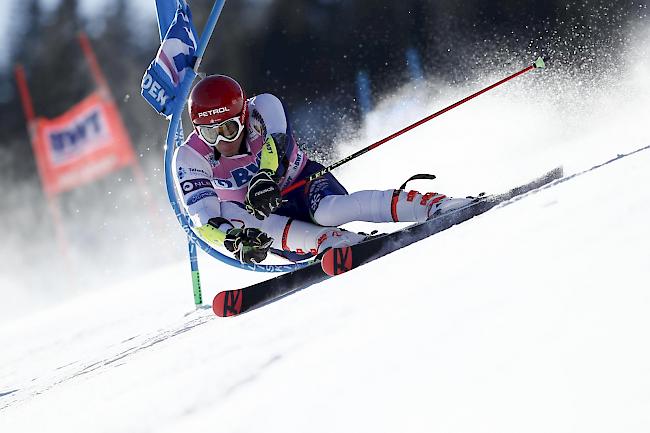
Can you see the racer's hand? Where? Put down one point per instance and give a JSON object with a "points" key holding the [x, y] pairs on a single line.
{"points": [[263, 196], [248, 245]]}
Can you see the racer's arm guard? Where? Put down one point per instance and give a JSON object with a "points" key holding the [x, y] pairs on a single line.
{"points": [[215, 231], [248, 244], [270, 158], [274, 154]]}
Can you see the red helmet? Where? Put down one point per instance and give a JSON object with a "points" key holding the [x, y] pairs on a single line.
{"points": [[217, 98]]}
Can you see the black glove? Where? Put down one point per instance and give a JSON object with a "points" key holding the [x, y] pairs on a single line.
{"points": [[249, 245], [263, 196]]}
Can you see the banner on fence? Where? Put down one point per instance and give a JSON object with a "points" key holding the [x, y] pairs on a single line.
{"points": [[82, 145]]}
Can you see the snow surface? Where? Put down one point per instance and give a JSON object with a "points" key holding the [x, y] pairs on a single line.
{"points": [[533, 317]]}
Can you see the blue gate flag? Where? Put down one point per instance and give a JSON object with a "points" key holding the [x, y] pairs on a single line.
{"points": [[176, 55], [166, 12]]}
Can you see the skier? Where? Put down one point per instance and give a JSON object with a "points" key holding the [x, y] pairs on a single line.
{"points": [[231, 169]]}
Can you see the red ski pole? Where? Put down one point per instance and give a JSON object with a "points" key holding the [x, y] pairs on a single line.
{"points": [[539, 63]]}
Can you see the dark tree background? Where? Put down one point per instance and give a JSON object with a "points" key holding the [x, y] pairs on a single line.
{"points": [[307, 52]]}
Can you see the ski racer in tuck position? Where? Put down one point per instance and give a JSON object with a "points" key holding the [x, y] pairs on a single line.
{"points": [[231, 169]]}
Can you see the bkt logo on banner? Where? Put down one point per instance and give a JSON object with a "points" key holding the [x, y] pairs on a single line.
{"points": [[83, 134]]}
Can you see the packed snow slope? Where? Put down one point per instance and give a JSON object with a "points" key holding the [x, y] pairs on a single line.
{"points": [[532, 317]]}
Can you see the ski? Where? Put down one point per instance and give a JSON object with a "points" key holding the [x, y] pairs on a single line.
{"points": [[234, 302], [337, 261]]}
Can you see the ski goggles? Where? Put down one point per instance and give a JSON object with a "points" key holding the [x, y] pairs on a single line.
{"points": [[228, 130]]}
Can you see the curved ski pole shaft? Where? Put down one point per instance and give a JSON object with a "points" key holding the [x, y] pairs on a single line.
{"points": [[539, 63]]}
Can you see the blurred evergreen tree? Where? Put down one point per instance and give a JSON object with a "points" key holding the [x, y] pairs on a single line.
{"points": [[305, 51], [29, 33], [47, 48], [57, 75], [123, 62]]}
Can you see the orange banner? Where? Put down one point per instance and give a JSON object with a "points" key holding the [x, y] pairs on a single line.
{"points": [[84, 144]]}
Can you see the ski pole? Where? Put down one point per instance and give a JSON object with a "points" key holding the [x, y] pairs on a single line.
{"points": [[539, 63]]}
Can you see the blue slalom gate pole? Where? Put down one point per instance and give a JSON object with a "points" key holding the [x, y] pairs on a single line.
{"points": [[175, 137], [207, 32]]}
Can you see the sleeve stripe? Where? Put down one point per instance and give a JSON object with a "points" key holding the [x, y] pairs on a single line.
{"points": [[200, 196]]}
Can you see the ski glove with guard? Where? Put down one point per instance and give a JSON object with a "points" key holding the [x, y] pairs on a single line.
{"points": [[263, 196], [248, 245]]}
